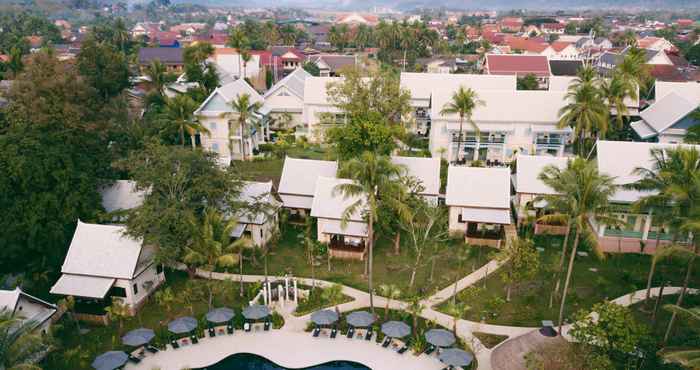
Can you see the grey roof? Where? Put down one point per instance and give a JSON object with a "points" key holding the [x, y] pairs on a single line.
{"points": [[330, 203], [565, 67], [168, 56], [223, 95], [293, 81], [426, 170], [121, 195], [257, 192], [334, 61], [665, 112], [299, 175]]}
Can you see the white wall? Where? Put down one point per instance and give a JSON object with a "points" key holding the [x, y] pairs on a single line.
{"points": [[454, 224], [149, 274]]}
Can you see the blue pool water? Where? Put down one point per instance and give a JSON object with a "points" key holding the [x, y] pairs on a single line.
{"points": [[249, 361]]}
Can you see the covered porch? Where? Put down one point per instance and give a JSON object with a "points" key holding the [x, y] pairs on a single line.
{"points": [[344, 241], [484, 226]]}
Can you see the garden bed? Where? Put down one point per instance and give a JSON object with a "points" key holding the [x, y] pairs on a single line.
{"points": [[489, 340]]}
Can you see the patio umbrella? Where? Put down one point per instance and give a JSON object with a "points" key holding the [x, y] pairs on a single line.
{"points": [[110, 360], [324, 317], [256, 312], [360, 319], [440, 337], [396, 329], [138, 337], [182, 325], [456, 357], [219, 315]]}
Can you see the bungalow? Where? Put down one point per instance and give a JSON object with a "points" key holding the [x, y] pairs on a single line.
{"points": [[640, 232], [528, 187], [426, 171], [172, 58], [259, 222], [553, 28], [667, 120], [346, 240], [655, 43], [105, 265], [217, 115], [479, 203], [30, 310], [565, 50], [298, 182], [291, 58], [287, 97]]}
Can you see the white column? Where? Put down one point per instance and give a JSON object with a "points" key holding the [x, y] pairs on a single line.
{"points": [[296, 293], [647, 227], [264, 290], [279, 294], [269, 290], [601, 230], [286, 288]]}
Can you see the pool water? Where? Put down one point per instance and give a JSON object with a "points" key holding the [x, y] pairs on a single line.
{"points": [[249, 361]]}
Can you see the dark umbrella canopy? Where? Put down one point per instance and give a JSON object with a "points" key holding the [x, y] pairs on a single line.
{"points": [[110, 360], [138, 337], [219, 315], [456, 357], [396, 329], [360, 319], [324, 317], [440, 337], [256, 312], [182, 325]]}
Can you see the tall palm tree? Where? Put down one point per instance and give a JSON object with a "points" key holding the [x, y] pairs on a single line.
{"points": [[464, 101], [615, 91], [389, 291], [586, 112], [157, 74], [374, 177], [245, 110], [238, 40], [246, 56], [589, 196], [211, 244], [179, 111], [633, 68], [120, 34], [584, 76], [20, 344]]}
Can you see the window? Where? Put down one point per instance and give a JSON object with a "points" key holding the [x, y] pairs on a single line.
{"points": [[261, 233], [136, 289], [215, 147], [117, 292], [460, 219]]}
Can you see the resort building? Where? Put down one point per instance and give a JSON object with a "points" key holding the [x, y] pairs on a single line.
{"points": [[640, 232], [259, 221], [103, 265], [528, 188], [286, 97], [217, 115], [29, 309], [668, 119], [298, 182], [479, 204], [562, 83], [319, 112], [121, 196], [344, 239], [426, 171]]}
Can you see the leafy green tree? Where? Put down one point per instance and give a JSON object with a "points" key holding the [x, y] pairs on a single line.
{"points": [[522, 262], [687, 357], [104, 67], [312, 68], [180, 182], [178, 112], [528, 82], [693, 55], [616, 91], [692, 136], [463, 102], [20, 344], [118, 311], [363, 134], [456, 310], [388, 291], [166, 299], [198, 69], [425, 226], [158, 77]]}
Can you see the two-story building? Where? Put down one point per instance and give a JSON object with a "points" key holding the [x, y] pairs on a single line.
{"points": [[286, 97]]}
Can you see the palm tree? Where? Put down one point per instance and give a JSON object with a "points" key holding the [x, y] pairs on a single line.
{"points": [[120, 34], [20, 344], [166, 298], [456, 310], [246, 56], [692, 136], [245, 110], [464, 101], [211, 244], [586, 112], [157, 76], [689, 357], [584, 76], [118, 311], [389, 291], [633, 68], [237, 39], [374, 177], [615, 91], [415, 307], [179, 111], [588, 196]]}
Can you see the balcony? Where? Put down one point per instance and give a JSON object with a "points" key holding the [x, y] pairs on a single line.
{"points": [[487, 237], [338, 248]]}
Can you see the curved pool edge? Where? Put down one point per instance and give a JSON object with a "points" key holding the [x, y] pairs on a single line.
{"points": [[244, 355]]}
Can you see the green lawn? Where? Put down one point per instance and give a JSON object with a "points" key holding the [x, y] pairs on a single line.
{"points": [[76, 351], [615, 276], [289, 257], [270, 168]]}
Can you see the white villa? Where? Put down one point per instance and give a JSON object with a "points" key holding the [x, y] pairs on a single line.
{"points": [[103, 265], [298, 182], [319, 112], [528, 187], [426, 171], [479, 203], [345, 240], [120, 196], [287, 96], [667, 120], [216, 114], [259, 226], [620, 159], [31, 310]]}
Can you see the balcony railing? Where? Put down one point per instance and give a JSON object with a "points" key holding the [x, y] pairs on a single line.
{"points": [[482, 140]]}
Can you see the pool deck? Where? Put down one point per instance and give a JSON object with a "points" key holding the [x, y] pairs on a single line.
{"points": [[288, 349]]}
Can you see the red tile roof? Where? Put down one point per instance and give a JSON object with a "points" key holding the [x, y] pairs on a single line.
{"points": [[560, 45], [520, 43], [517, 64], [667, 73]]}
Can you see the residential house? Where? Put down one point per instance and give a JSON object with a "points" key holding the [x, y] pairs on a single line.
{"points": [[29, 309], [290, 58], [188, 28], [319, 36], [319, 111], [640, 232], [655, 43], [607, 61], [553, 28], [356, 19], [346, 235], [171, 58], [298, 182], [529, 46], [286, 97], [330, 65], [529, 190], [426, 171], [217, 115], [479, 203], [669, 117], [231, 62], [565, 67], [511, 24], [103, 265], [565, 50], [259, 221], [519, 65]]}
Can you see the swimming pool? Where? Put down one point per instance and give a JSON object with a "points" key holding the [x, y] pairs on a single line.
{"points": [[249, 361]]}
